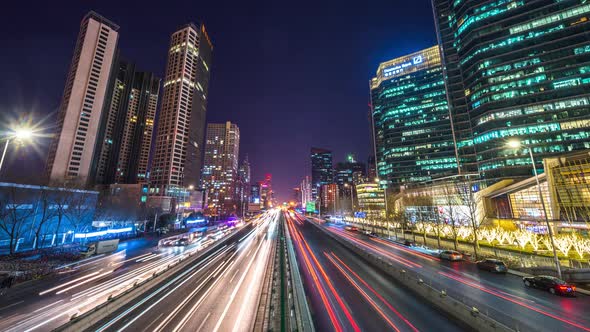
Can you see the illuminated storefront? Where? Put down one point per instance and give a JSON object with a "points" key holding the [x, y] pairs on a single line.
{"points": [[413, 134]]}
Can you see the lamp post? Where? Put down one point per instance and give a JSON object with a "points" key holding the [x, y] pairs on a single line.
{"points": [[516, 144], [20, 134], [385, 198]]}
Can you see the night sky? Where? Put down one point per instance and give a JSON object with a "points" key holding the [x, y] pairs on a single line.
{"points": [[291, 74]]}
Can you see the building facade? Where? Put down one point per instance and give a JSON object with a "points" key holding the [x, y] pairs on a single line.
{"points": [[243, 187], [305, 187], [73, 151], [515, 70], [371, 200], [179, 146], [128, 125], [321, 169], [413, 135], [220, 168]]}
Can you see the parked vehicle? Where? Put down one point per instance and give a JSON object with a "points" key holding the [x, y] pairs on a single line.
{"points": [[492, 265], [551, 284], [100, 247], [451, 255]]}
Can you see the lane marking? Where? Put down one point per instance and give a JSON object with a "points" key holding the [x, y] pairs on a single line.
{"points": [[203, 322], [11, 305]]}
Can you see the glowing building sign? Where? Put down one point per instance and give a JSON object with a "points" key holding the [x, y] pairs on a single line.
{"points": [[400, 68]]}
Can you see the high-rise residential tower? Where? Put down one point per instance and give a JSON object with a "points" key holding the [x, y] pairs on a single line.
{"points": [[220, 167], [181, 126], [126, 131], [515, 70], [72, 152], [321, 169], [413, 136]]}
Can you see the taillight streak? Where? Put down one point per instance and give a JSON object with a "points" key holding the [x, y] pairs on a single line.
{"points": [[376, 294], [362, 292], [390, 255], [548, 314], [409, 251], [327, 305]]}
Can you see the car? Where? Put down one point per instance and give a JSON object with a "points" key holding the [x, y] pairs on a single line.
{"points": [[492, 265], [351, 228], [451, 255], [551, 284]]}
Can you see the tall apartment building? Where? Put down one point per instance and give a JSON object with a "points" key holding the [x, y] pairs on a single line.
{"points": [[128, 125], [305, 187], [515, 70], [413, 136], [73, 151], [321, 169], [178, 152], [243, 187], [220, 167]]}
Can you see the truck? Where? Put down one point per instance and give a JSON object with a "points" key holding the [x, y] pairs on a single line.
{"points": [[100, 247]]}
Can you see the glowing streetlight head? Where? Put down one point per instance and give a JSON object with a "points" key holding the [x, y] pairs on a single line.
{"points": [[376, 179], [514, 143], [23, 133]]}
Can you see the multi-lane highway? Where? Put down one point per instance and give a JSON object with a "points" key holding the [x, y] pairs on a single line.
{"points": [[504, 297], [46, 304], [346, 293], [219, 292]]}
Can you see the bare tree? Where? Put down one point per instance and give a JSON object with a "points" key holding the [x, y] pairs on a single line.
{"points": [[44, 213], [14, 214], [81, 209], [469, 199], [450, 200]]}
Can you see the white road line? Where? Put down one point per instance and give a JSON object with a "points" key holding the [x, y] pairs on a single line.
{"points": [[152, 323], [203, 322], [233, 294], [69, 282], [11, 305], [232, 278], [211, 258], [47, 306]]}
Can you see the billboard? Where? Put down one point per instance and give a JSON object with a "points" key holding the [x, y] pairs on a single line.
{"points": [[310, 207]]}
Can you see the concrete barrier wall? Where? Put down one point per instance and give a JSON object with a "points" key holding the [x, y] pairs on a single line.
{"points": [[302, 312], [468, 316]]}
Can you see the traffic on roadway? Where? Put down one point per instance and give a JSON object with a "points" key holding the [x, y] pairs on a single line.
{"points": [[346, 293], [503, 296], [81, 286], [219, 292]]}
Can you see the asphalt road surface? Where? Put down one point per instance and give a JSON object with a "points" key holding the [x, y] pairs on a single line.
{"points": [[50, 302], [346, 293], [220, 292], [504, 297]]}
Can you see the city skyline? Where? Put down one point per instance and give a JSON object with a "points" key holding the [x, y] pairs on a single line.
{"points": [[228, 31]]}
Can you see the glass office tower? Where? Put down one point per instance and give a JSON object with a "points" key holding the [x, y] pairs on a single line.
{"points": [[413, 136], [516, 69]]}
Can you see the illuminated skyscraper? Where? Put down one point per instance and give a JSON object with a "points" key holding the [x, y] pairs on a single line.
{"points": [[321, 169], [127, 127], [515, 70], [220, 168], [181, 124], [413, 136], [73, 151]]}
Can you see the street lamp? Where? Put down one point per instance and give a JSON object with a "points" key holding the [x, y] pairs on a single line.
{"points": [[516, 144], [20, 134], [385, 197]]}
